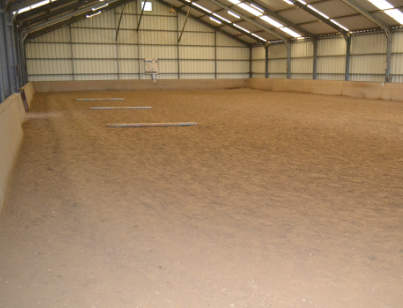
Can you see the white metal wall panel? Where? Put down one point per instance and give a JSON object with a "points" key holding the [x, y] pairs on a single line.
{"points": [[128, 21], [232, 53], [277, 66], [154, 37], [369, 43], [258, 67], [59, 35], [397, 57], [196, 52], [225, 40], [93, 35], [334, 46], [192, 24], [158, 23], [166, 52], [197, 39], [94, 51], [127, 36], [331, 65], [302, 49], [197, 67], [368, 65], [128, 51], [94, 67], [277, 51], [170, 66], [48, 50], [302, 66], [331, 60], [232, 67], [49, 67], [258, 53], [128, 66]]}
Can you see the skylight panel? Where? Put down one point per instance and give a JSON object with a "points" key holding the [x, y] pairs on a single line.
{"points": [[288, 2], [259, 37], [215, 20], [290, 32], [93, 14], [201, 7], [233, 14], [31, 7], [250, 9], [271, 21], [257, 8], [241, 28], [222, 18], [100, 7], [396, 14], [236, 2], [317, 11], [382, 4], [340, 25]]}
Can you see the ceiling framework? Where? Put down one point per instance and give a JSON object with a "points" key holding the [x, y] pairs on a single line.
{"points": [[305, 17]]}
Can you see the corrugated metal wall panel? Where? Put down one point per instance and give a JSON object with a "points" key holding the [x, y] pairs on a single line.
{"points": [[362, 77], [166, 52], [93, 36], [154, 37], [170, 66], [302, 49], [232, 76], [104, 20], [48, 51], [59, 35], [128, 66], [197, 39], [368, 64], [49, 67], [127, 36], [51, 78], [94, 51], [225, 40], [232, 53], [277, 66], [258, 53], [97, 77], [196, 52], [94, 67], [197, 67], [127, 51], [397, 42], [198, 76], [277, 51], [229, 67], [397, 64], [302, 66], [158, 23], [193, 25], [334, 46], [258, 67], [331, 65], [369, 43]]}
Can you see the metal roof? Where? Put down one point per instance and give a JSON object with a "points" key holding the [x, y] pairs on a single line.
{"points": [[309, 18]]}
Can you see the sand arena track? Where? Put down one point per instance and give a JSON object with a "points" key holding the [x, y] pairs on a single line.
{"points": [[275, 200]]}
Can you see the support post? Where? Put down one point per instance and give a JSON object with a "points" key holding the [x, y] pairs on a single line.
{"points": [[250, 62], [315, 59], [348, 51], [266, 61], [288, 46], [388, 57], [119, 22], [71, 53], [215, 54]]}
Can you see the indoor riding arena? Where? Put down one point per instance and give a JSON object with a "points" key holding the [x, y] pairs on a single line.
{"points": [[201, 153]]}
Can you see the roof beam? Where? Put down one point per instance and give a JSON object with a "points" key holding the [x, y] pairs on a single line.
{"points": [[320, 17], [43, 9], [250, 20], [217, 28], [272, 14], [354, 5], [63, 17]]}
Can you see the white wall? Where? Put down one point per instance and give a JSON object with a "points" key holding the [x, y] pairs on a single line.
{"points": [[87, 50], [367, 61]]}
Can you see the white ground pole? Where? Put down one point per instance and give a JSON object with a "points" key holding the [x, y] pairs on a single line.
{"points": [[119, 107], [124, 125], [100, 99]]}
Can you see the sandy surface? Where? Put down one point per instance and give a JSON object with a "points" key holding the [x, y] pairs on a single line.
{"points": [[274, 200]]}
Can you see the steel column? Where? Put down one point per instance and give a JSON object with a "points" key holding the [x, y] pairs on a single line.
{"points": [[315, 59], [250, 62], [288, 46], [215, 54], [348, 51], [388, 57], [266, 61]]}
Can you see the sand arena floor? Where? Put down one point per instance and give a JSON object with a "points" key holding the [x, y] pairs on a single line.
{"points": [[275, 200]]}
